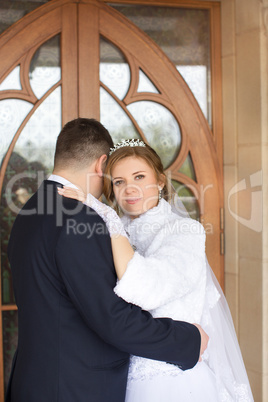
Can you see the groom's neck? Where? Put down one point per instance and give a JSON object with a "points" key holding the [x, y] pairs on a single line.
{"points": [[83, 179], [75, 178]]}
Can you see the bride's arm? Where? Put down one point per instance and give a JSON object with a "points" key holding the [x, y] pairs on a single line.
{"points": [[173, 270], [122, 254]]}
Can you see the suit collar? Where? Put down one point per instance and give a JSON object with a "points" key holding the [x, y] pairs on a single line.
{"points": [[50, 185], [61, 180]]}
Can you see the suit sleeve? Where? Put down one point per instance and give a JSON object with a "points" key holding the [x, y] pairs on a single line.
{"points": [[84, 258]]}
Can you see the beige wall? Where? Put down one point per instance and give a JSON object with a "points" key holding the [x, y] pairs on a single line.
{"points": [[264, 52], [245, 128]]}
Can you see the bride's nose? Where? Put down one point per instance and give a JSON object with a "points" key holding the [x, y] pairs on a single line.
{"points": [[131, 189]]}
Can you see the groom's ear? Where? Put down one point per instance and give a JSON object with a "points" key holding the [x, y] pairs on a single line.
{"points": [[100, 165]]}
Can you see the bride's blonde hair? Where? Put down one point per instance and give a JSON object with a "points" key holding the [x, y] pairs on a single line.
{"points": [[149, 156]]}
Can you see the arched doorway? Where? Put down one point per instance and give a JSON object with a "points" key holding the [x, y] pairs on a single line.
{"points": [[152, 102]]}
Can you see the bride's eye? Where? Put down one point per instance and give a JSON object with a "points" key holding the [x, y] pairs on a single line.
{"points": [[139, 177], [117, 182]]}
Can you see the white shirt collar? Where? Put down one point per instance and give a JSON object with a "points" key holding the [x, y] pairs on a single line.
{"points": [[61, 180]]}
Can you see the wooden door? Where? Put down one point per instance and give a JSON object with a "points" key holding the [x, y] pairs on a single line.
{"points": [[80, 34]]}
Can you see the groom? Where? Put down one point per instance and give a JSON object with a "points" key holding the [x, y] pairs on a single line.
{"points": [[75, 334]]}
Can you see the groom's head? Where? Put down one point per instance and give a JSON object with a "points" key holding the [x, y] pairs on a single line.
{"points": [[82, 149], [81, 142]]}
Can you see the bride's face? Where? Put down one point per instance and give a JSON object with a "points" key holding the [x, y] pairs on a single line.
{"points": [[135, 186]]}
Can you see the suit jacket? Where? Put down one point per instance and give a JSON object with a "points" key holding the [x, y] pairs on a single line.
{"points": [[75, 333]]}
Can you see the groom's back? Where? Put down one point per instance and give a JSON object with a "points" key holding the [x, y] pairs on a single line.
{"points": [[31, 259], [56, 348]]}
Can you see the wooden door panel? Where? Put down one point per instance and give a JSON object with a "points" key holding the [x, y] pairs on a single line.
{"points": [[89, 61], [80, 24], [69, 62]]}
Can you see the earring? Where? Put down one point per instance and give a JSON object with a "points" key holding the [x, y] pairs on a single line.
{"points": [[160, 193]]}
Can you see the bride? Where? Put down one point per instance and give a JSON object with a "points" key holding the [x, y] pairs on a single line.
{"points": [[160, 261]]}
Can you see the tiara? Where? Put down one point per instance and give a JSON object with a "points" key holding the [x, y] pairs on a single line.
{"points": [[127, 143]]}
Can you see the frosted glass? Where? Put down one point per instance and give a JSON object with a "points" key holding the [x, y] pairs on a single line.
{"points": [[187, 168], [45, 70], [160, 128], [196, 78], [115, 119], [12, 81], [145, 84], [188, 199], [38, 138], [114, 71], [12, 114]]}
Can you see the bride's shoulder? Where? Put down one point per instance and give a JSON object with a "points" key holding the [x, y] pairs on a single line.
{"points": [[189, 234], [190, 226], [181, 221], [184, 225]]}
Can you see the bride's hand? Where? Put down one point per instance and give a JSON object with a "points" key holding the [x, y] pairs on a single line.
{"points": [[71, 192], [108, 214], [204, 341], [110, 217]]}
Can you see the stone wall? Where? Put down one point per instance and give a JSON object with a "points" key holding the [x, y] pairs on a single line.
{"points": [[245, 128]]}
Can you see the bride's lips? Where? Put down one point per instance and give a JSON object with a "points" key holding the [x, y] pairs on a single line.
{"points": [[132, 200]]}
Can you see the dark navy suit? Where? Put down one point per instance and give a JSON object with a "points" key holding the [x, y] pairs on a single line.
{"points": [[75, 334]]}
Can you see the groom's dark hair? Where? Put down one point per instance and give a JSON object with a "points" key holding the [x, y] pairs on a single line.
{"points": [[81, 142]]}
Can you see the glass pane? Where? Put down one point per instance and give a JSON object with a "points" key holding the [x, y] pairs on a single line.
{"points": [[197, 79], [45, 68], [145, 84], [187, 168], [114, 70], [7, 220], [115, 119], [188, 199], [160, 128], [10, 339], [38, 139], [12, 11], [12, 114], [29, 164], [184, 36], [12, 81]]}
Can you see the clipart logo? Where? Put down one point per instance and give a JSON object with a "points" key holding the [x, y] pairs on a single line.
{"points": [[255, 220]]}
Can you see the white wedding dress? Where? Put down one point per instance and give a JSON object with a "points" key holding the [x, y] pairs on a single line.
{"points": [[170, 277]]}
